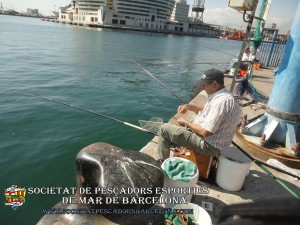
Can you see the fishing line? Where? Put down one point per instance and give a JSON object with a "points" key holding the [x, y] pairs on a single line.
{"points": [[257, 162], [202, 63], [159, 102], [213, 64], [151, 75], [217, 50], [90, 111]]}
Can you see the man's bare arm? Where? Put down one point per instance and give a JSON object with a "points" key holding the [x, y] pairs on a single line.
{"points": [[195, 127], [192, 107]]}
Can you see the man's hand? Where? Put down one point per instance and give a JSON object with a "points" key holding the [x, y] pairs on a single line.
{"points": [[183, 108], [194, 127], [192, 107], [182, 122]]}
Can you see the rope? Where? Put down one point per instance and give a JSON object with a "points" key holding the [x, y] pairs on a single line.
{"points": [[257, 35], [260, 97]]}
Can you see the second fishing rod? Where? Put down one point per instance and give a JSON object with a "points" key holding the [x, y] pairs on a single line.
{"points": [[257, 162]]}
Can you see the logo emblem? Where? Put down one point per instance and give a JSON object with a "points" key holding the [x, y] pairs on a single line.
{"points": [[15, 196]]}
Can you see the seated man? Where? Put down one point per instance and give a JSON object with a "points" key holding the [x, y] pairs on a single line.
{"points": [[244, 62], [257, 56], [212, 129]]}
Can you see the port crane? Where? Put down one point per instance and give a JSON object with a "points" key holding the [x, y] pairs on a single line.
{"points": [[197, 10]]}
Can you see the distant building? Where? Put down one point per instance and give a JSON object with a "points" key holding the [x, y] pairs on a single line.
{"points": [[86, 11], [136, 13], [65, 14], [158, 15], [204, 29], [32, 12], [180, 11], [179, 20]]}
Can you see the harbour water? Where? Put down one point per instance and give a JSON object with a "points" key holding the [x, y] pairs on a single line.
{"points": [[39, 140]]}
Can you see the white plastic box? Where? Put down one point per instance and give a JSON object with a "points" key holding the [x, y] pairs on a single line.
{"points": [[241, 5]]}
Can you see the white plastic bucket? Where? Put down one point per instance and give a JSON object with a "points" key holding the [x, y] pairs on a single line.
{"points": [[232, 169], [170, 183], [199, 216]]}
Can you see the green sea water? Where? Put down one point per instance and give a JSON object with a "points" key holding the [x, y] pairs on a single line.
{"points": [[39, 140]]}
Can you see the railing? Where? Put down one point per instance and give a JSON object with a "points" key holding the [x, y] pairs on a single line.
{"points": [[272, 48]]}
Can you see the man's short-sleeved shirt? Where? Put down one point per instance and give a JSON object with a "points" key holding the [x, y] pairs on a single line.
{"points": [[220, 116]]}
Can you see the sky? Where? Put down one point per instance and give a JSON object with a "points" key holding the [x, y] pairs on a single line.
{"points": [[282, 12], [217, 12]]}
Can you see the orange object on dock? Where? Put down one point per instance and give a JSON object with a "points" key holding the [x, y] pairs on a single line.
{"points": [[242, 73], [204, 163], [256, 66]]}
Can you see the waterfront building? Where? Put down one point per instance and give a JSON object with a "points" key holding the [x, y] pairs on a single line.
{"points": [[150, 15], [65, 14], [144, 14], [180, 11], [204, 29], [179, 18], [86, 11], [32, 12]]}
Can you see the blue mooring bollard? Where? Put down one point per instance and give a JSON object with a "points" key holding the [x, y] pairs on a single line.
{"points": [[281, 122]]}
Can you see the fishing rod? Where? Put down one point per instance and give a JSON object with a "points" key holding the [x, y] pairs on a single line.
{"points": [[263, 163], [91, 112], [257, 162], [151, 75]]}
